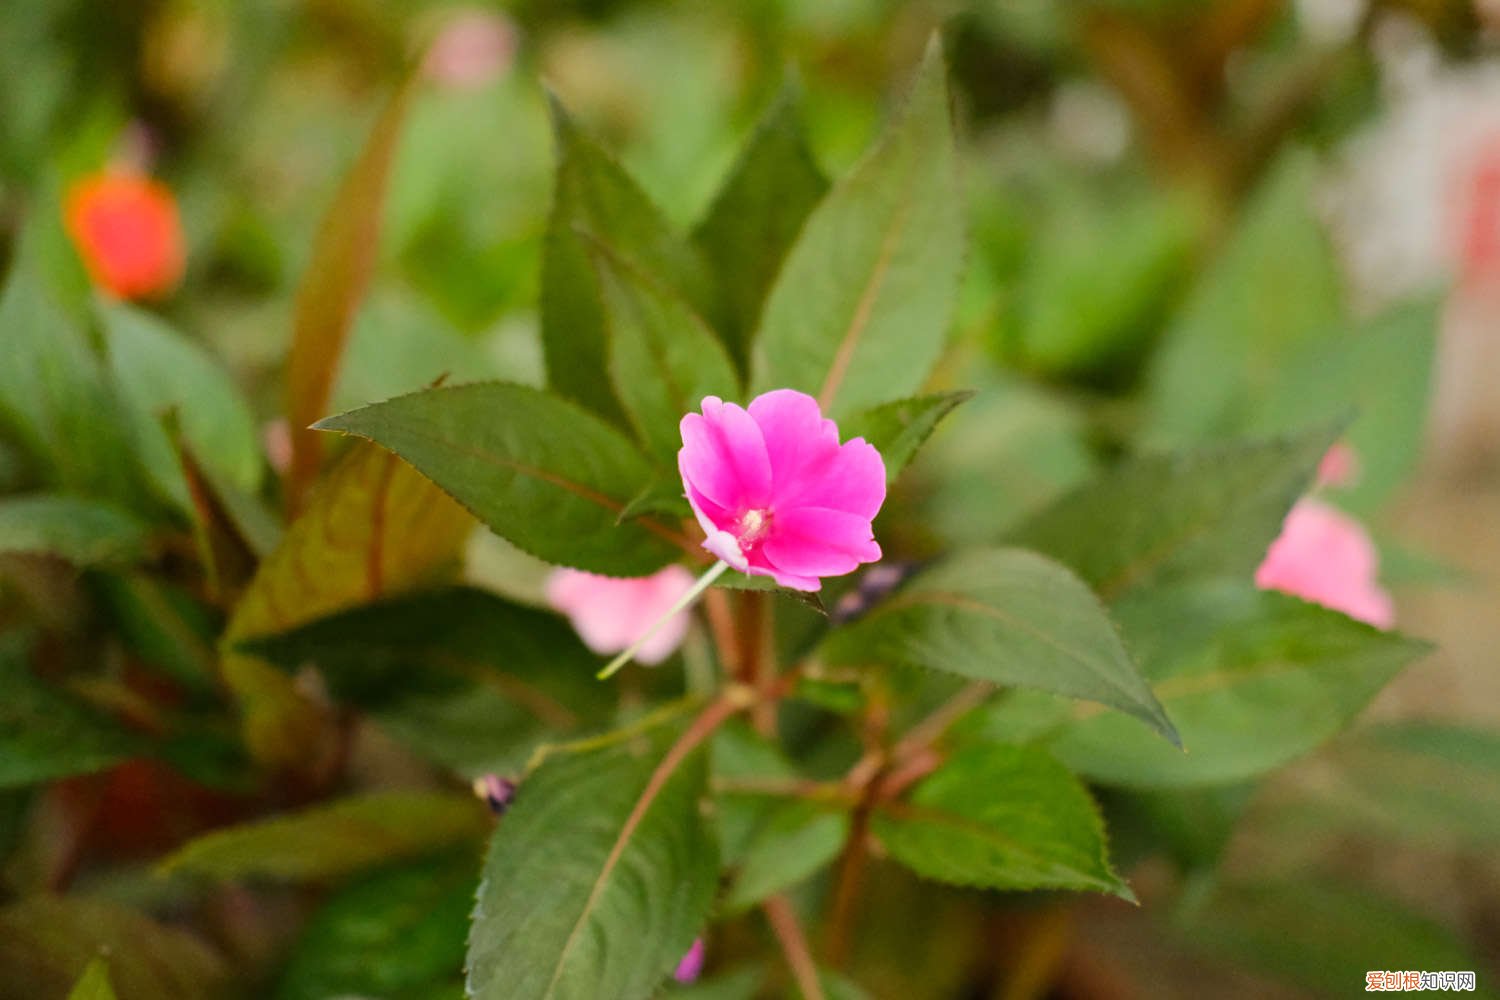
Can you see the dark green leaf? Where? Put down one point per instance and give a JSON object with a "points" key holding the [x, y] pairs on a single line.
{"points": [[47, 943], [595, 195], [398, 935], [84, 532], [860, 310], [664, 496], [757, 214], [1252, 679], [663, 359], [158, 371], [593, 888], [539, 471], [733, 580], [795, 840], [898, 429], [1165, 517], [742, 984], [45, 735], [53, 396], [1001, 817], [1006, 616], [463, 677], [330, 841]]}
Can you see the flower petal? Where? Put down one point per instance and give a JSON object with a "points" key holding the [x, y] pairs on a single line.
{"points": [[724, 456], [799, 440], [817, 541], [851, 479]]}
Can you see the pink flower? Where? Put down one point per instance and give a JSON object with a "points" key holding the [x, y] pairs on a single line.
{"points": [[1324, 556], [1339, 466], [471, 49], [610, 613], [776, 493], [691, 966]]}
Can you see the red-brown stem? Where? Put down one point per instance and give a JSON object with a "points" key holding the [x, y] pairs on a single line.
{"points": [[930, 730], [721, 626], [847, 886], [788, 931], [758, 664]]}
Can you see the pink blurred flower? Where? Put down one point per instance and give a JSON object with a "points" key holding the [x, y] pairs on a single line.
{"points": [[691, 966], [1339, 466], [610, 613], [776, 493], [1325, 556], [276, 438], [472, 48]]}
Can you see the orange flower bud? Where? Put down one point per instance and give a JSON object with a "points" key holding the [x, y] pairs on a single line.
{"points": [[126, 229]]}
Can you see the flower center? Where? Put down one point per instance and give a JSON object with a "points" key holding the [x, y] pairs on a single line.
{"points": [[753, 527]]}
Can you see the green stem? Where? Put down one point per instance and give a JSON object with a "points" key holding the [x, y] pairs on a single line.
{"points": [[704, 582]]}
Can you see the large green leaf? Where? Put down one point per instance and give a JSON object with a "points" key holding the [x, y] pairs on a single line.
{"points": [[1160, 518], [595, 196], [1007, 616], [158, 371], [859, 312], [47, 943], [84, 532], [598, 879], [539, 471], [94, 983], [899, 428], [53, 396], [397, 934], [462, 676], [1001, 817], [1273, 289], [663, 358], [45, 735], [331, 841], [757, 214], [1252, 679]]}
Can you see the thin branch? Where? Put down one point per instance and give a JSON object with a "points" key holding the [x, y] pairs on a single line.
{"points": [[932, 728], [793, 941]]}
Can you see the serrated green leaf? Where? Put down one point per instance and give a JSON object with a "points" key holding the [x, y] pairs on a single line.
{"points": [[757, 214], [398, 935], [94, 983], [594, 195], [331, 841], [541, 472], [793, 842], [84, 532], [898, 429], [1006, 616], [1252, 679], [1161, 518], [45, 735], [47, 942], [663, 496], [663, 359], [860, 310], [1273, 289], [600, 907], [54, 399], [1001, 817], [461, 676], [733, 580], [158, 371]]}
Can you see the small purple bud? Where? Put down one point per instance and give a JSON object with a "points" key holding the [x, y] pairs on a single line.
{"points": [[497, 792], [691, 966]]}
